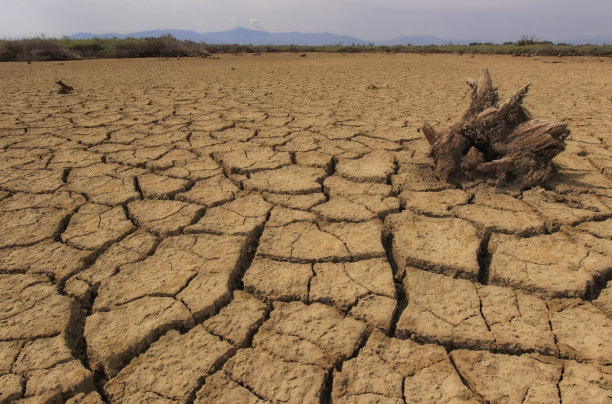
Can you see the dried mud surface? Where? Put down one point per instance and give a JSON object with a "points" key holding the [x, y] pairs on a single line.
{"points": [[267, 228]]}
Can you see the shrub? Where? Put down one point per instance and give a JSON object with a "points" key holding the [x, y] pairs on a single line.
{"points": [[87, 48], [164, 46], [168, 46], [35, 49], [526, 40]]}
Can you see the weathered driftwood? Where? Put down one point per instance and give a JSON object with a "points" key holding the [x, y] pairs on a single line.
{"points": [[496, 141], [64, 88]]}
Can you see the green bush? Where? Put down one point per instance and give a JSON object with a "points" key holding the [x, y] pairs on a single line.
{"points": [[168, 46], [164, 46], [526, 40], [35, 49]]}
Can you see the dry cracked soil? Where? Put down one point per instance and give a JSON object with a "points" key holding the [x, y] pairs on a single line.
{"points": [[267, 228]]}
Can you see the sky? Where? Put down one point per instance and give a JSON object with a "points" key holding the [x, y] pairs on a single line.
{"points": [[370, 20]]}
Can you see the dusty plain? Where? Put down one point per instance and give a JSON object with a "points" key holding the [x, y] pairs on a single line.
{"points": [[267, 228]]}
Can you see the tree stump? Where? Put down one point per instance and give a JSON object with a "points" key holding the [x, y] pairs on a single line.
{"points": [[499, 142], [64, 88]]}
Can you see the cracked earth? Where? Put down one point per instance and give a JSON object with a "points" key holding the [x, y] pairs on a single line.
{"points": [[268, 228]]}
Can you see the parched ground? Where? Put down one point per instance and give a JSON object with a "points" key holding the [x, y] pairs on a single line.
{"points": [[267, 228]]}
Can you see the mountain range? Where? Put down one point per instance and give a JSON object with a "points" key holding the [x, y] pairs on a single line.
{"points": [[246, 36]]}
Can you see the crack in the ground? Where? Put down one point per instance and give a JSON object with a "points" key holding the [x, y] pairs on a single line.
{"points": [[559, 382], [63, 225], [326, 393], [484, 259], [242, 266], [402, 303], [153, 338], [65, 174], [151, 294], [334, 260], [30, 244], [404, 381], [161, 397], [525, 394], [465, 382], [328, 383], [137, 188], [598, 285], [484, 319], [252, 246], [246, 387], [593, 292]]}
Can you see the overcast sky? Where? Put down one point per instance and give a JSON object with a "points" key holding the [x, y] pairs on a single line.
{"points": [[371, 20]]}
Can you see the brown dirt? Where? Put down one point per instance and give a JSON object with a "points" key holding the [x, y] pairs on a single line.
{"points": [[269, 229]]}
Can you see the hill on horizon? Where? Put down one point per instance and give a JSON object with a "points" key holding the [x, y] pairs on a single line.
{"points": [[239, 35], [245, 36]]}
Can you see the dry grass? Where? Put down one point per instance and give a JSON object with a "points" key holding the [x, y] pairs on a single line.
{"points": [[168, 46]]}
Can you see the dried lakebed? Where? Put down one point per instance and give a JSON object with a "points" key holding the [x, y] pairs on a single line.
{"points": [[268, 229]]}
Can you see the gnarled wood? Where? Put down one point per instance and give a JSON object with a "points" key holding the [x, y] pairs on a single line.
{"points": [[64, 88], [501, 142]]}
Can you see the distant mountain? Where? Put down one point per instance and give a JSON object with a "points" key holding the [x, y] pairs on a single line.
{"points": [[414, 40], [238, 35], [247, 36], [244, 36]]}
